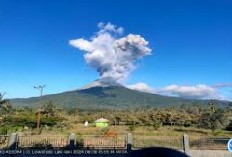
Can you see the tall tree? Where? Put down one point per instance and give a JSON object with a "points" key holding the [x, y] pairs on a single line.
{"points": [[213, 118], [4, 105], [2, 101], [49, 109]]}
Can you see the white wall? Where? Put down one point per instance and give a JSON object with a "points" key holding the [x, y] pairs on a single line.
{"points": [[209, 153]]}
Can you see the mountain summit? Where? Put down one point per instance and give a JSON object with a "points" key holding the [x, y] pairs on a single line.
{"points": [[104, 82], [105, 94]]}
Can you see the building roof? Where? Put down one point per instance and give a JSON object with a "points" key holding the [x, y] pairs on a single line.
{"points": [[102, 120]]}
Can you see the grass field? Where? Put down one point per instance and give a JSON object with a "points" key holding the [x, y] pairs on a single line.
{"points": [[80, 129]]}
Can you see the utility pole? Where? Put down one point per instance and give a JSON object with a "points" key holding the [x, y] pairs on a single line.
{"points": [[41, 89]]}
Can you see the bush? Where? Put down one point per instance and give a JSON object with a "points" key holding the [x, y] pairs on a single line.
{"points": [[3, 130], [156, 125], [104, 131], [132, 127]]}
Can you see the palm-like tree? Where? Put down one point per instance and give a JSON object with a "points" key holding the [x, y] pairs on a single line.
{"points": [[49, 109], [4, 105], [2, 101]]}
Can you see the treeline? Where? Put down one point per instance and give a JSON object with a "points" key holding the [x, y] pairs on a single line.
{"points": [[195, 115], [13, 119], [185, 115]]}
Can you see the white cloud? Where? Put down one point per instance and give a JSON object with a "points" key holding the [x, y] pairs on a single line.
{"points": [[141, 87], [222, 85], [200, 91]]}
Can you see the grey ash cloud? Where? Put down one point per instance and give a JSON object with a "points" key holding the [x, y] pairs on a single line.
{"points": [[113, 57]]}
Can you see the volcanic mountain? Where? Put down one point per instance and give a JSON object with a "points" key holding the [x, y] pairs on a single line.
{"points": [[102, 83], [104, 94]]}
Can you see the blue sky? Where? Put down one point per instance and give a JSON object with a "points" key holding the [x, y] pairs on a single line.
{"points": [[190, 42]]}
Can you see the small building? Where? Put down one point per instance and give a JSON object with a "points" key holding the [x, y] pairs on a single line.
{"points": [[102, 122], [86, 123]]}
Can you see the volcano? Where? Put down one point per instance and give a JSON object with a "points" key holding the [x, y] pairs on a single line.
{"points": [[102, 94], [102, 83]]}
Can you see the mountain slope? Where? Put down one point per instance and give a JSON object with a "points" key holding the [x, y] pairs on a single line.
{"points": [[109, 97]]}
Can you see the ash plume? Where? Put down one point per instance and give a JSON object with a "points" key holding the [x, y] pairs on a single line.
{"points": [[113, 57]]}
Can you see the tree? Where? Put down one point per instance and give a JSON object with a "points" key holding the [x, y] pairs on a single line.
{"points": [[171, 116], [5, 105], [131, 119], [183, 108], [213, 118], [155, 119], [229, 109], [198, 109], [49, 109], [212, 107], [2, 101]]}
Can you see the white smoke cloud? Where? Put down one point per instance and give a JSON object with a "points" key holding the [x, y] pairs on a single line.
{"points": [[109, 28], [200, 91], [114, 58]]}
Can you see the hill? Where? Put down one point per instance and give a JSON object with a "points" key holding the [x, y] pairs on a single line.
{"points": [[109, 97]]}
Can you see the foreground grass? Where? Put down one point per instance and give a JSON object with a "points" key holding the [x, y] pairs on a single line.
{"points": [[80, 129]]}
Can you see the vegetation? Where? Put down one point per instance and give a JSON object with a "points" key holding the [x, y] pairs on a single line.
{"points": [[178, 119], [14, 119]]}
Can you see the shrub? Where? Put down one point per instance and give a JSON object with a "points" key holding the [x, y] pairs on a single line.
{"points": [[3, 130], [131, 127], [104, 131]]}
